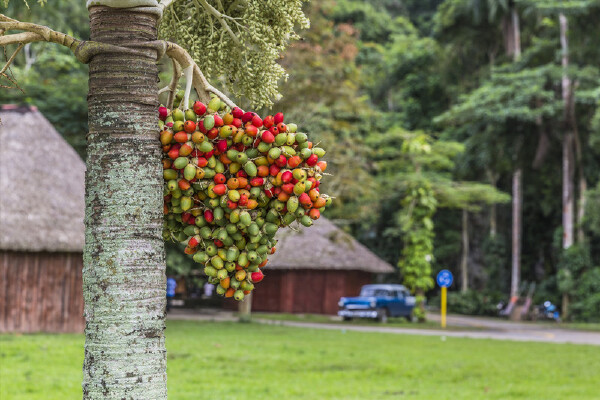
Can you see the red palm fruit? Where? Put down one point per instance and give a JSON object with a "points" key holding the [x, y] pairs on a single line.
{"points": [[192, 221], [269, 121], [165, 209], [185, 217], [304, 199], [201, 127], [313, 194], [209, 154], [229, 292], [257, 276], [247, 117], [183, 184], [281, 127], [225, 283], [267, 137], [169, 124], [319, 202], [314, 213], [278, 118], [276, 190], [199, 107], [281, 161], [294, 181], [193, 242], [209, 216], [251, 130], [181, 137], [213, 133], [186, 149], [288, 188], [252, 204], [237, 123], [262, 264], [202, 162], [162, 113], [322, 165], [189, 126], [220, 189], [268, 193], [274, 170], [218, 243], [233, 183], [189, 250], [262, 170], [243, 201], [257, 121], [241, 174], [227, 119], [218, 120], [166, 148], [220, 178], [287, 177], [273, 250], [222, 146], [174, 153], [283, 196], [242, 182], [196, 153], [294, 161], [231, 205], [313, 182], [237, 112], [312, 160], [257, 181], [274, 130], [167, 163]]}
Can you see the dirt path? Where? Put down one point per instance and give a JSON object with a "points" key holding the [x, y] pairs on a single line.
{"points": [[489, 328]]}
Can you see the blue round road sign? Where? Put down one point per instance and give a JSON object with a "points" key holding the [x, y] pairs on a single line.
{"points": [[444, 278]]}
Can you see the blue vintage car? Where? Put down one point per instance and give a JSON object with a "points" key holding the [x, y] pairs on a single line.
{"points": [[378, 302]]}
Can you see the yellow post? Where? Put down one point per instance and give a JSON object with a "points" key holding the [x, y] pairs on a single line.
{"points": [[443, 319]]}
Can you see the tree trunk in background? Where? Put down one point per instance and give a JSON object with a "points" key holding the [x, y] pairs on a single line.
{"points": [[464, 260], [245, 308], [517, 203], [568, 164], [124, 270], [493, 177]]}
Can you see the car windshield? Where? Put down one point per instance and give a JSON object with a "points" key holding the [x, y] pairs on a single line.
{"points": [[374, 292]]}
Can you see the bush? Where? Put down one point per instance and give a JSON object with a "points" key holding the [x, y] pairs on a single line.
{"points": [[472, 302], [586, 297]]}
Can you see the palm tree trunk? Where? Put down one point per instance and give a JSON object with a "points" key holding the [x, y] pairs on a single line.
{"points": [[124, 269], [516, 232]]}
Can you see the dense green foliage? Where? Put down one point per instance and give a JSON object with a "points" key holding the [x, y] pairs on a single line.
{"points": [[299, 363], [368, 75]]}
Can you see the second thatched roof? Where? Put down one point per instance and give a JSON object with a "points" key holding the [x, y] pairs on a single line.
{"points": [[324, 246], [41, 185]]}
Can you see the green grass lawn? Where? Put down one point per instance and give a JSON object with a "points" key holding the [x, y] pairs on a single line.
{"points": [[253, 361]]}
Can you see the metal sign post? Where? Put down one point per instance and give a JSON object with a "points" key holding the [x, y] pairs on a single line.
{"points": [[444, 280]]}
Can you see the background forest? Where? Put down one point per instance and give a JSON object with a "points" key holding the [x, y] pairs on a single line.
{"points": [[449, 119]]}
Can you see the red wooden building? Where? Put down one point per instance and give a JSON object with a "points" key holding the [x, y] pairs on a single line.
{"points": [[312, 268], [41, 226]]}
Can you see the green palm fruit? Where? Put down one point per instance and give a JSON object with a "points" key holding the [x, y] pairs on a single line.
{"points": [[238, 295], [189, 172], [292, 204], [222, 274], [245, 218], [306, 221], [170, 174], [201, 257], [250, 168], [210, 271]]}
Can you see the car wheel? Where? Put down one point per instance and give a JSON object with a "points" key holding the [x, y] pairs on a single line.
{"points": [[347, 318], [382, 315]]}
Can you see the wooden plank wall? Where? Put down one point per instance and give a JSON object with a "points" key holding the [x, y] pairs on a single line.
{"points": [[41, 292], [307, 291]]}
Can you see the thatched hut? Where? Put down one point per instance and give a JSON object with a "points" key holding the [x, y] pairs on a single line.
{"points": [[312, 268], [41, 226]]}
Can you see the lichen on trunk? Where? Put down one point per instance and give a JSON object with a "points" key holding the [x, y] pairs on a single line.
{"points": [[123, 277]]}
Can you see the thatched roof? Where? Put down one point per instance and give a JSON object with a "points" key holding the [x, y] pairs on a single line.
{"points": [[41, 185], [323, 246]]}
